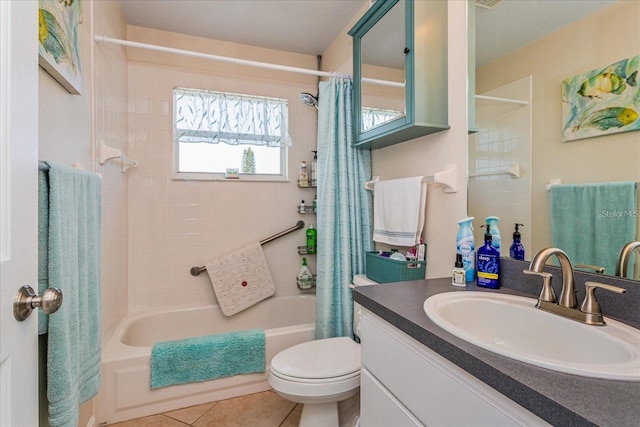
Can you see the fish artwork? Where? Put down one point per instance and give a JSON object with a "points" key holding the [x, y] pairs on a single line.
{"points": [[52, 37], [606, 83], [607, 118]]}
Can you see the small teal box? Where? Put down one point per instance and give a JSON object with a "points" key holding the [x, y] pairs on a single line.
{"points": [[385, 270]]}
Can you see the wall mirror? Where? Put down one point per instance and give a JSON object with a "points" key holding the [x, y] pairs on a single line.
{"points": [[543, 156], [382, 50]]}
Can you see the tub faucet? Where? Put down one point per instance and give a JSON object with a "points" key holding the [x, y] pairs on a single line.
{"points": [[624, 257], [589, 312]]}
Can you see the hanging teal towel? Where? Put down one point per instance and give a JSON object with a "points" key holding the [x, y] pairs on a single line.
{"points": [[74, 252], [591, 222], [43, 244], [207, 357]]}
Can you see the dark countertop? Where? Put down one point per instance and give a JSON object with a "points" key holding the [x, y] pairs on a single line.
{"points": [[560, 399]]}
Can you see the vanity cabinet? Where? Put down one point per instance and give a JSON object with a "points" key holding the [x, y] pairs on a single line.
{"points": [[399, 72], [404, 383]]}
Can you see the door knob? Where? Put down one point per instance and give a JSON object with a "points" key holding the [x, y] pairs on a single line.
{"points": [[26, 301]]}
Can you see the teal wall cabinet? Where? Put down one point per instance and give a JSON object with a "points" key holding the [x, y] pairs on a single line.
{"points": [[404, 42]]}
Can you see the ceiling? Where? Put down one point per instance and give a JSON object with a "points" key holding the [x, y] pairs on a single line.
{"points": [[311, 25]]}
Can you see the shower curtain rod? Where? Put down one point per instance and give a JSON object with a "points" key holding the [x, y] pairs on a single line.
{"points": [[105, 39]]}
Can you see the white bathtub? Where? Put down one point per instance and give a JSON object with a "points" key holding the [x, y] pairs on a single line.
{"points": [[125, 392]]}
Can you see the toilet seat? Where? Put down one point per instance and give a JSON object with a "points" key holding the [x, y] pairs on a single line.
{"points": [[318, 361]]}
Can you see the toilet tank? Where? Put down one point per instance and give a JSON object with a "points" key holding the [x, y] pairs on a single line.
{"points": [[359, 280]]}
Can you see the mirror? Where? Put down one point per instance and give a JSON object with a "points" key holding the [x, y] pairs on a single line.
{"points": [[530, 133], [383, 59]]}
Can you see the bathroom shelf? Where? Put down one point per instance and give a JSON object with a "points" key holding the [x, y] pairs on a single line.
{"points": [[308, 209]]}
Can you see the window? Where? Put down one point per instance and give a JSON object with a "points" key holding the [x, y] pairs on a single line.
{"points": [[216, 133]]}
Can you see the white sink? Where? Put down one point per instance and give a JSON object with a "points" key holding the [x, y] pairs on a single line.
{"points": [[511, 326]]}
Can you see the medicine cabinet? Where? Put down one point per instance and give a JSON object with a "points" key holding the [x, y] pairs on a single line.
{"points": [[400, 72]]}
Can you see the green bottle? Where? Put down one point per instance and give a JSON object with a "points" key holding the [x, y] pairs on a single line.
{"points": [[311, 239]]}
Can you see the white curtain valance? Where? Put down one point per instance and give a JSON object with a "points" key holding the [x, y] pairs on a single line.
{"points": [[203, 116]]}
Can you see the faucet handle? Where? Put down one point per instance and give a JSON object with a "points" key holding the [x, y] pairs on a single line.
{"points": [[590, 304], [547, 294]]}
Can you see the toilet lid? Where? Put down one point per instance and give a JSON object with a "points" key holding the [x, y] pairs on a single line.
{"points": [[324, 358]]}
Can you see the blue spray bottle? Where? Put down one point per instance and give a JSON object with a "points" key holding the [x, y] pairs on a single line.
{"points": [[492, 221], [488, 263], [466, 246]]}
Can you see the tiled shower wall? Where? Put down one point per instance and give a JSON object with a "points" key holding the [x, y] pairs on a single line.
{"points": [[504, 139], [175, 225], [110, 127]]}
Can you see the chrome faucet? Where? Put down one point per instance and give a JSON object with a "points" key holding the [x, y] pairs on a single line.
{"points": [[589, 312], [624, 257]]}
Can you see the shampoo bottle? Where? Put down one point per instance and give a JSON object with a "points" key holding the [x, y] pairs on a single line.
{"points": [[305, 278], [488, 263], [303, 177], [516, 251], [314, 169], [466, 247], [495, 233], [311, 239]]}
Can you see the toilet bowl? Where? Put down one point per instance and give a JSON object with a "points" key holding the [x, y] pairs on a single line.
{"points": [[319, 373]]}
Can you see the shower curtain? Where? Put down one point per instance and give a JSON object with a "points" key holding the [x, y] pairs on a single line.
{"points": [[344, 209]]}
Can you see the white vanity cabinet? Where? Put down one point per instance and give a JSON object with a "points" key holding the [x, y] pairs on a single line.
{"points": [[404, 383]]}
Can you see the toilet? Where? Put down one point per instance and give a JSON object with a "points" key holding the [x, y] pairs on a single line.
{"points": [[320, 373]]}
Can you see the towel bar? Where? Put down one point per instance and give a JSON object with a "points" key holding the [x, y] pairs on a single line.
{"points": [[195, 271]]}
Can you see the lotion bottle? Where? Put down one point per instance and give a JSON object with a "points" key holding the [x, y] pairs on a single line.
{"points": [[305, 277], [488, 263]]}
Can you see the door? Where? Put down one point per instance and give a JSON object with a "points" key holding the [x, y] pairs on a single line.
{"points": [[18, 209]]}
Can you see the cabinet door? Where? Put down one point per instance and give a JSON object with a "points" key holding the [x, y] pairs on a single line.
{"points": [[435, 390], [378, 407]]}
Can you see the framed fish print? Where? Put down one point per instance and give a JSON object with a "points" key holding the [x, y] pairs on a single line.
{"points": [[602, 102], [58, 36]]}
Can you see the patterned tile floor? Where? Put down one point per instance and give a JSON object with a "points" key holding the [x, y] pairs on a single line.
{"points": [[266, 409]]}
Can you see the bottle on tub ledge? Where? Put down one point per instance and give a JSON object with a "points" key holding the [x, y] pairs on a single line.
{"points": [[488, 263]]}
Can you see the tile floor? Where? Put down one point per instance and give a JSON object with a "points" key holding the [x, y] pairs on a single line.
{"points": [[265, 409]]}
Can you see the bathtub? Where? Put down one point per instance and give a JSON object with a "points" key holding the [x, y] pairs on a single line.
{"points": [[125, 392]]}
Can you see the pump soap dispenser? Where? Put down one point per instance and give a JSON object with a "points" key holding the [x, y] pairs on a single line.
{"points": [[516, 251], [488, 263]]}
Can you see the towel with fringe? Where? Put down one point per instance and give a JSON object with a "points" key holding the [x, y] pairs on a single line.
{"points": [[74, 265], [399, 211], [241, 279], [592, 222], [207, 357]]}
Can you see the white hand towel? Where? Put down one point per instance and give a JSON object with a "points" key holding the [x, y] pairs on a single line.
{"points": [[398, 211], [241, 279]]}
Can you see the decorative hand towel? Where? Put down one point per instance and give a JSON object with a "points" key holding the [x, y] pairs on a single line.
{"points": [[207, 357], [591, 222], [241, 279], [74, 331], [398, 211]]}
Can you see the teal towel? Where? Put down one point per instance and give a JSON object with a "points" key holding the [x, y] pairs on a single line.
{"points": [[207, 357], [591, 222], [74, 331], [43, 244]]}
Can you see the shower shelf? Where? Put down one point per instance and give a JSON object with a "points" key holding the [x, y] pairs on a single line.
{"points": [[302, 250]]}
